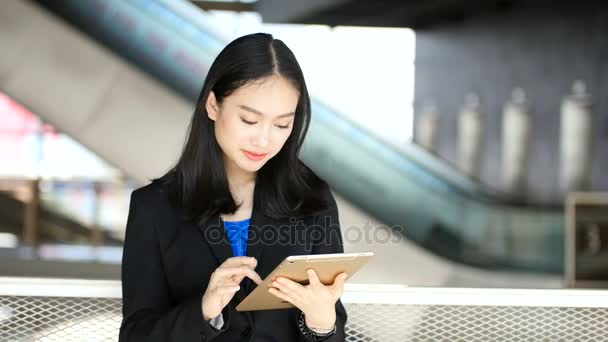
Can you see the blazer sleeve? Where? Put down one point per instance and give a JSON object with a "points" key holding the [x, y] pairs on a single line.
{"points": [[149, 313], [331, 243]]}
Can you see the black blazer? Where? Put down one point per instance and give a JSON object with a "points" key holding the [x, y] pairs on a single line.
{"points": [[167, 263]]}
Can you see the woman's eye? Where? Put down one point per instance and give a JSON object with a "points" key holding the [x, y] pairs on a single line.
{"points": [[254, 122]]}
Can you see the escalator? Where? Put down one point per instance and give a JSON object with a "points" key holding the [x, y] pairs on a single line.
{"points": [[53, 228], [423, 198], [63, 246]]}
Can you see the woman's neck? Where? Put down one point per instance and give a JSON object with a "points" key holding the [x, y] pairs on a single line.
{"points": [[242, 193], [241, 184]]}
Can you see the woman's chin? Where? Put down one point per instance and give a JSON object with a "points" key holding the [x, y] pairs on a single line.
{"points": [[252, 165]]}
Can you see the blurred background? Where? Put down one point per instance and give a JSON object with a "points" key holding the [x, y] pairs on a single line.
{"points": [[465, 141]]}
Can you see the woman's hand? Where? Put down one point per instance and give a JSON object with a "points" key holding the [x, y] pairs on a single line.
{"points": [[316, 300], [224, 283]]}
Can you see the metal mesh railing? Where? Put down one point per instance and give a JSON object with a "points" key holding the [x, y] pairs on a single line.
{"points": [[59, 319], [385, 322], [38, 311]]}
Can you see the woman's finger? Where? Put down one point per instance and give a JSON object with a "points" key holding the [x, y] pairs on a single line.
{"points": [[313, 278], [243, 271], [251, 274], [289, 287], [238, 261], [227, 289], [228, 282], [281, 295], [294, 285], [238, 278], [338, 286]]}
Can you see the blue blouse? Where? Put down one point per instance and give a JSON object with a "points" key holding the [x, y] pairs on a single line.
{"points": [[238, 233]]}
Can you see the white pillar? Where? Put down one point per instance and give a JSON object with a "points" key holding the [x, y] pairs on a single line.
{"points": [[576, 140], [515, 142], [470, 136], [426, 130]]}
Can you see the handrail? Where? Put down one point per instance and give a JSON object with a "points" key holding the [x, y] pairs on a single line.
{"points": [[353, 293]]}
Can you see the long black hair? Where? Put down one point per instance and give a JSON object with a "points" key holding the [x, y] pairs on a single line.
{"points": [[284, 185]]}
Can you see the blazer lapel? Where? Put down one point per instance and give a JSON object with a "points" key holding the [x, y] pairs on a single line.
{"points": [[214, 234], [255, 243]]}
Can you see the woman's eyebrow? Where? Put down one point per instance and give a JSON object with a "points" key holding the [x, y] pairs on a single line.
{"points": [[257, 112]]}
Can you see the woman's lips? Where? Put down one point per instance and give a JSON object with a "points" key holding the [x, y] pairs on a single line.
{"points": [[254, 156]]}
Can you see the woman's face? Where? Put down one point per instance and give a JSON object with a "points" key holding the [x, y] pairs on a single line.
{"points": [[253, 123]]}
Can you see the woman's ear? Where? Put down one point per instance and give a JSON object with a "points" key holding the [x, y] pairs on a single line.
{"points": [[212, 106]]}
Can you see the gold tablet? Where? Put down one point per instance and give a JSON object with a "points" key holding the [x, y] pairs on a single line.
{"points": [[327, 266]]}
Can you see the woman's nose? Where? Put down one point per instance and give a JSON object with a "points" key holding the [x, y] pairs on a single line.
{"points": [[262, 138]]}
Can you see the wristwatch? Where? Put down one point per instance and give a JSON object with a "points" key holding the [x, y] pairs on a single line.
{"points": [[306, 331]]}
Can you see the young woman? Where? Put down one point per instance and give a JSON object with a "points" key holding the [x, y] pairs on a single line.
{"points": [[237, 202]]}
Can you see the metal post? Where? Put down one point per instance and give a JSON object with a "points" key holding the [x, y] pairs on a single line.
{"points": [[30, 220], [96, 230]]}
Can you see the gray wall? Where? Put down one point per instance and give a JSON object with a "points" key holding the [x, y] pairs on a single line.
{"points": [[539, 48]]}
